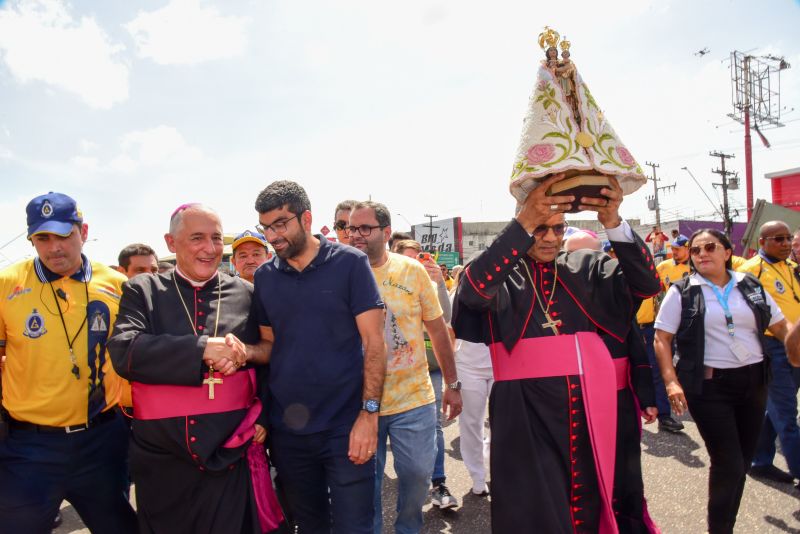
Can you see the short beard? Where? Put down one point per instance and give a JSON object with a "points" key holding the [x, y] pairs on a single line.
{"points": [[294, 247]]}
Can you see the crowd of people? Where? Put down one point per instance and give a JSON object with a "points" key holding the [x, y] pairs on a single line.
{"points": [[266, 400]]}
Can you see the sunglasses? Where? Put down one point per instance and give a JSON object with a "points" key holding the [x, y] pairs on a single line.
{"points": [[558, 229], [340, 225], [779, 238], [708, 247]]}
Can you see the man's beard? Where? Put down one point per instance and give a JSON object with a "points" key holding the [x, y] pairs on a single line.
{"points": [[294, 247]]}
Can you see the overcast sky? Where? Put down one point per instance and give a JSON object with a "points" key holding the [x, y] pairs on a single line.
{"points": [[133, 108]]}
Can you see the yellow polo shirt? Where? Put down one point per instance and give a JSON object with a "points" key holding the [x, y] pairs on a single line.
{"points": [[737, 262], [647, 312], [779, 280], [39, 385], [670, 272]]}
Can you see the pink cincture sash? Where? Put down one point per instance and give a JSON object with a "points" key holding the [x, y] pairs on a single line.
{"points": [[237, 392], [586, 355], [161, 401]]}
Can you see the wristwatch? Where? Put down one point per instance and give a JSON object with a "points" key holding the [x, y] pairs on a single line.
{"points": [[371, 406], [455, 385]]}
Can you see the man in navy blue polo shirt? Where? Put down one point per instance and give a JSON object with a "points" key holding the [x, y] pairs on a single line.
{"points": [[319, 304]]}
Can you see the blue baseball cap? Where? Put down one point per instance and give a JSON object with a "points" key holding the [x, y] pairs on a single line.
{"points": [[680, 241], [246, 236], [53, 213]]}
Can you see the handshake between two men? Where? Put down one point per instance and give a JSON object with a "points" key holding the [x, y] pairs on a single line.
{"points": [[226, 354]]}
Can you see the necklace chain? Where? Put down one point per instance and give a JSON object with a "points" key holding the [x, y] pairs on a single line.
{"points": [[539, 299], [186, 308]]}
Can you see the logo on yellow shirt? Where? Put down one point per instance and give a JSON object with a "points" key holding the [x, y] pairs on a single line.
{"points": [[34, 325], [779, 287], [98, 323], [19, 291], [398, 285]]}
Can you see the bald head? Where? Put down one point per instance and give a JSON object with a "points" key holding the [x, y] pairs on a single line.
{"points": [[776, 239], [581, 240], [774, 227]]}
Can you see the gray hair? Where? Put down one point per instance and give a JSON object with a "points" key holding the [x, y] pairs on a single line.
{"points": [[177, 216]]}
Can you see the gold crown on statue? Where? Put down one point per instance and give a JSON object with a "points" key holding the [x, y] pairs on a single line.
{"points": [[564, 44], [548, 38]]}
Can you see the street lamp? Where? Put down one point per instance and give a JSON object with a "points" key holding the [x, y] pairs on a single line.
{"points": [[406, 220]]}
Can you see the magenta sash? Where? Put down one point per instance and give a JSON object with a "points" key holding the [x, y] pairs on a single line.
{"points": [[586, 355], [269, 510], [160, 401]]}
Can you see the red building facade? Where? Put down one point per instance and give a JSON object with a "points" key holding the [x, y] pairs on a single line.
{"points": [[786, 188]]}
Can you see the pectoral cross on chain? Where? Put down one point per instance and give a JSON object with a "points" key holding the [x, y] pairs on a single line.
{"points": [[210, 381], [551, 324]]}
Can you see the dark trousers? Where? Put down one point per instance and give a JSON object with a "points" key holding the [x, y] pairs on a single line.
{"points": [[729, 413], [781, 421], [88, 468], [662, 402], [324, 490]]}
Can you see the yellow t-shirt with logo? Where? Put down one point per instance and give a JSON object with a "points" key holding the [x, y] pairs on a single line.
{"points": [[39, 385], [410, 298], [779, 280], [670, 272]]}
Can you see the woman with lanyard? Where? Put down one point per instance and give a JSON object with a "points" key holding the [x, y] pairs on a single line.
{"points": [[718, 318]]}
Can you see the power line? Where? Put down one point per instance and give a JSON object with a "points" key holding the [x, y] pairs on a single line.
{"points": [[725, 185], [703, 190]]}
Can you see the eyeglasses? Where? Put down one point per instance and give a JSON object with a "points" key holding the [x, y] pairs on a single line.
{"points": [[708, 247], [278, 227], [558, 229], [364, 229], [340, 225], [779, 238]]}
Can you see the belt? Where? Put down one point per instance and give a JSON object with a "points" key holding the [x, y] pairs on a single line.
{"points": [[99, 419], [711, 372], [646, 325]]}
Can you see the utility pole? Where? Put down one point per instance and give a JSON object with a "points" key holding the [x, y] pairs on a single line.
{"points": [[726, 215], [654, 199], [430, 230], [756, 98]]}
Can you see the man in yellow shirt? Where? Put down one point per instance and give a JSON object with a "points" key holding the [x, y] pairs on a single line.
{"points": [[672, 270], [408, 409], [66, 440], [776, 272], [669, 271]]}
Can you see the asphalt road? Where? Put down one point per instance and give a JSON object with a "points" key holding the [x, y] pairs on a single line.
{"points": [[676, 475]]}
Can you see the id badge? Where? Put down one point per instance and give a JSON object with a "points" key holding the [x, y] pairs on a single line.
{"points": [[739, 350]]}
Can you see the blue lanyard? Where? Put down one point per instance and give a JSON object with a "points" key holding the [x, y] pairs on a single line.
{"points": [[722, 298]]}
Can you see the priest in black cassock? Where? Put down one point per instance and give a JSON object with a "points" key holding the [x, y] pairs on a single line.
{"points": [[187, 342], [565, 405]]}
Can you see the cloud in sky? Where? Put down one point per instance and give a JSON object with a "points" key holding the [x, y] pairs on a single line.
{"points": [[162, 146], [41, 41], [185, 32]]}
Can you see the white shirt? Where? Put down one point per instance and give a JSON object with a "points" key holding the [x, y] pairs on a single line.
{"points": [[718, 353], [476, 355]]}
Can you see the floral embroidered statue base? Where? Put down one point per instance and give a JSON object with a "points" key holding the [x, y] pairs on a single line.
{"points": [[564, 130]]}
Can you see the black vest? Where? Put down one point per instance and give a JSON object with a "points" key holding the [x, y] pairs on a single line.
{"points": [[691, 335]]}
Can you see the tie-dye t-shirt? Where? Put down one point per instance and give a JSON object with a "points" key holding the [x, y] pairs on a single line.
{"points": [[410, 298]]}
